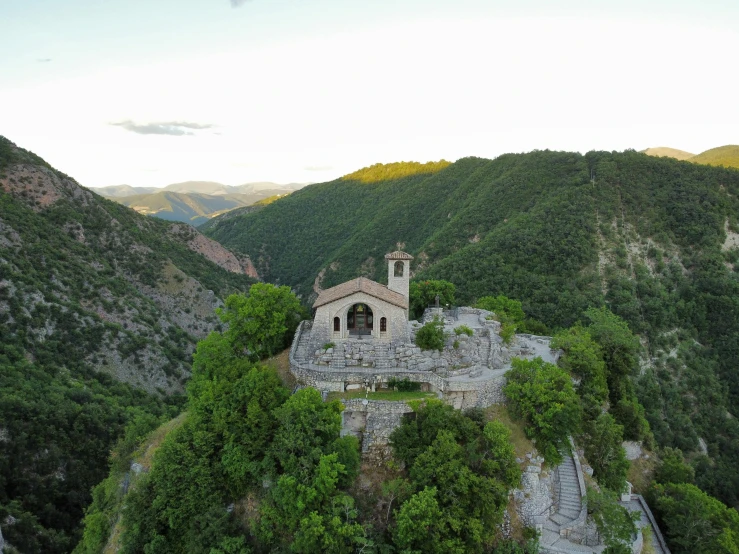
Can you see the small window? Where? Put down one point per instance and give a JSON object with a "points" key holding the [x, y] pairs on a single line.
{"points": [[337, 324], [383, 324], [399, 268]]}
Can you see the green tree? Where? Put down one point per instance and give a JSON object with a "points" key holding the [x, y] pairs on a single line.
{"points": [[542, 395], [263, 322], [620, 348], [603, 438], [616, 526], [673, 468], [431, 335], [423, 294], [584, 360], [498, 457], [419, 525], [694, 522], [507, 309]]}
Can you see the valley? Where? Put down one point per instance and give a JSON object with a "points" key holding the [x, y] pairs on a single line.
{"points": [[102, 309]]}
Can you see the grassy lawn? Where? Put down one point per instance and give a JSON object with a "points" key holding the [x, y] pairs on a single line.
{"points": [[391, 395]]}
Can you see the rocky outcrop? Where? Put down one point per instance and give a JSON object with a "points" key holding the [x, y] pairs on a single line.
{"points": [[40, 187], [213, 251]]}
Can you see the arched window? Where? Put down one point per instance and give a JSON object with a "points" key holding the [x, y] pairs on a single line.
{"points": [[383, 324], [399, 268], [337, 324]]}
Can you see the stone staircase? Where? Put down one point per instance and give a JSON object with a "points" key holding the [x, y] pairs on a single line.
{"points": [[384, 357], [568, 514], [303, 350]]}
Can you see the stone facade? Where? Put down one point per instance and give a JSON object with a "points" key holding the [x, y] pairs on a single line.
{"points": [[323, 320]]}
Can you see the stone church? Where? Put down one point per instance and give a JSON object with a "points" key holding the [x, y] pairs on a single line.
{"points": [[362, 308]]}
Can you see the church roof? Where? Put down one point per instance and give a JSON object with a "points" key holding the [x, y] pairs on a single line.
{"points": [[361, 284], [398, 255]]}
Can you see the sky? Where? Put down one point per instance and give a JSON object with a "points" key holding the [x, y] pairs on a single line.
{"points": [[153, 92]]}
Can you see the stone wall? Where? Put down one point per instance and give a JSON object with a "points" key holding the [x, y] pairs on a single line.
{"points": [[380, 419]]}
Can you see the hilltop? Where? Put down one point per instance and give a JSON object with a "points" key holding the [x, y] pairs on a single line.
{"points": [[650, 237], [726, 156], [664, 151]]}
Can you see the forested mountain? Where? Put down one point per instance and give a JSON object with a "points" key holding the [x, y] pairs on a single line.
{"points": [[653, 238], [100, 307]]}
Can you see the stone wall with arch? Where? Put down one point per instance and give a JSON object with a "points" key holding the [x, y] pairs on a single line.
{"points": [[323, 320]]}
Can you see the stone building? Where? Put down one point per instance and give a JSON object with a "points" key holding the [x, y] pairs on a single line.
{"points": [[364, 308]]}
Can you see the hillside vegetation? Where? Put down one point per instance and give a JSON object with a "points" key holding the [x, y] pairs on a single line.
{"points": [[100, 310], [649, 237], [726, 156]]}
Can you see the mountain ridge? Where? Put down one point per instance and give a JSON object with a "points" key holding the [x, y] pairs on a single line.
{"points": [[725, 156], [194, 202], [649, 237]]}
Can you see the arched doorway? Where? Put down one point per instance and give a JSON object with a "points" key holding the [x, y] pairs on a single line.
{"points": [[360, 320]]}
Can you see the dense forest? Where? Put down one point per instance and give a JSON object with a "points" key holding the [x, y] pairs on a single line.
{"points": [[92, 296], [252, 468], [654, 239]]}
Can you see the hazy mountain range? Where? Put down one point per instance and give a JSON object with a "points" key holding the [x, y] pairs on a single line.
{"points": [[194, 202]]}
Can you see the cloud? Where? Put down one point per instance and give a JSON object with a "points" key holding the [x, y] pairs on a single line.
{"points": [[238, 3], [173, 128], [318, 168]]}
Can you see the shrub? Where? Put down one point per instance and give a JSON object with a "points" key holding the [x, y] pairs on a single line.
{"points": [[463, 329], [507, 330], [403, 385], [431, 335]]}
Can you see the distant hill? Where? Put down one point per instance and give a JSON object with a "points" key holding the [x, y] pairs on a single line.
{"points": [[216, 220], [663, 151], [119, 191], [727, 156], [194, 202]]}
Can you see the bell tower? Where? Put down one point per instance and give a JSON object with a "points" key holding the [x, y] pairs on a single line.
{"points": [[399, 272]]}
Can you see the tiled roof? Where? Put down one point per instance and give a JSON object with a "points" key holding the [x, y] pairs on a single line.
{"points": [[362, 284], [398, 255]]}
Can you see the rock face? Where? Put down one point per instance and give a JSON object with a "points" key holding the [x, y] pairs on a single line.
{"points": [[141, 290], [213, 251]]}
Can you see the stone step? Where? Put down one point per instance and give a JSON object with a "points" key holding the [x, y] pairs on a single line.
{"points": [[562, 518], [567, 505], [550, 525], [548, 537], [569, 513]]}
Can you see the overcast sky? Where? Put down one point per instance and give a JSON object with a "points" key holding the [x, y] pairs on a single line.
{"points": [[151, 92]]}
